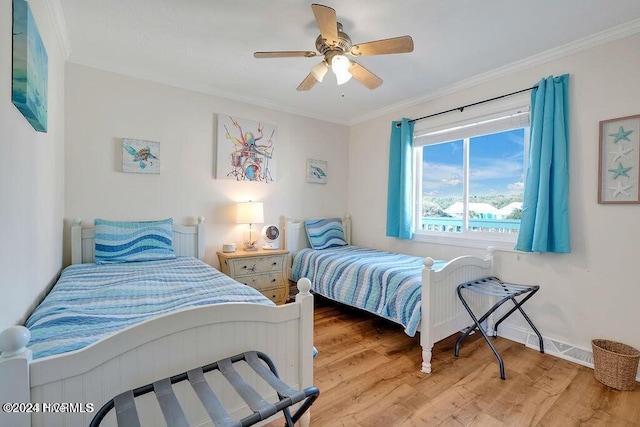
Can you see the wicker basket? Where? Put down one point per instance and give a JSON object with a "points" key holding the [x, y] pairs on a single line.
{"points": [[615, 364]]}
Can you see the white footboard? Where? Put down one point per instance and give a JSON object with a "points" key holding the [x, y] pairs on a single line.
{"points": [[442, 312], [153, 350]]}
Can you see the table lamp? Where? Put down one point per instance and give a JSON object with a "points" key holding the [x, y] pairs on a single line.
{"points": [[250, 213]]}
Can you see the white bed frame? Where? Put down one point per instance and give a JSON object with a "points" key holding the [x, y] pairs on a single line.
{"points": [[156, 349], [442, 312]]}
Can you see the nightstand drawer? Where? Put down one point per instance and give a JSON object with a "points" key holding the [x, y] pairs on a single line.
{"points": [[263, 281], [255, 265], [279, 296]]}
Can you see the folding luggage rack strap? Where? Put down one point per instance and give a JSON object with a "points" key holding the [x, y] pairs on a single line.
{"points": [[127, 415], [494, 287]]}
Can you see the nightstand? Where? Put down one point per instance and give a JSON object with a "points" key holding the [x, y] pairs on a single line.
{"points": [[263, 270]]}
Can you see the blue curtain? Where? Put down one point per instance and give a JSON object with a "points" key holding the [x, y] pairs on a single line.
{"points": [[400, 188], [544, 226]]}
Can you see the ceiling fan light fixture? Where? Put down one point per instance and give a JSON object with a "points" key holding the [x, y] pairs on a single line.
{"points": [[334, 44], [318, 71], [343, 77], [340, 66]]}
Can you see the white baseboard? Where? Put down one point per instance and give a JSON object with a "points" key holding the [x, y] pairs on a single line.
{"points": [[552, 346]]}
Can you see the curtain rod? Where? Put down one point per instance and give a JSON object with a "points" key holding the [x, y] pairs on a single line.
{"points": [[461, 109]]}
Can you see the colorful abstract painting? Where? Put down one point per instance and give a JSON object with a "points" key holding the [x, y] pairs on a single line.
{"points": [[139, 156], [30, 68], [245, 150]]}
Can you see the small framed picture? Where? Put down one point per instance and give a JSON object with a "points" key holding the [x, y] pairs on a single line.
{"points": [[618, 169], [316, 171], [139, 156]]}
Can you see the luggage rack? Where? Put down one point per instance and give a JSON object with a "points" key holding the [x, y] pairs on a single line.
{"points": [[494, 287], [127, 415]]}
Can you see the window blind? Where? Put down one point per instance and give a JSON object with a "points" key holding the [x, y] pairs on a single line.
{"points": [[497, 122]]}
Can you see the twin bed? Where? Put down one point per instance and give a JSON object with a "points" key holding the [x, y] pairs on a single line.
{"points": [[171, 315], [70, 361], [417, 293]]}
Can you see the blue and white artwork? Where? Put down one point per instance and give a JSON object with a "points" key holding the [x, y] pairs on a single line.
{"points": [[30, 68], [140, 156], [620, 160], [316, 171]]}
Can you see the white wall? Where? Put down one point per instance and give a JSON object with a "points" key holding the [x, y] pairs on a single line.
{"points": [[594, 291], [102, 108], [589, 293], [31, 180]]}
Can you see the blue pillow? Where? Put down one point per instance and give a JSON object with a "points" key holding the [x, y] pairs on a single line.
{"points": [[130, 241], [325, 233]]}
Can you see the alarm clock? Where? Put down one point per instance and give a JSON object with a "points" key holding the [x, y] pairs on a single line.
{"points": [[270, 234]]}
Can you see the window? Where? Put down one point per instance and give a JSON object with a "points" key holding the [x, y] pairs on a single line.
{"points": [[470, 178]]}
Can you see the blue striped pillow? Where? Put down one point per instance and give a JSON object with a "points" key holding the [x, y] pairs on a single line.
{"points": [[325, 233], [130, 241]]}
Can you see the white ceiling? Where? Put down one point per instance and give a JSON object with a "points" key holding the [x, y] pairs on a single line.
{"points": [[208, 45]]}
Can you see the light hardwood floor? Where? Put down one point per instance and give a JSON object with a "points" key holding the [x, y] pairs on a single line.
{"points": [[368, 373]]}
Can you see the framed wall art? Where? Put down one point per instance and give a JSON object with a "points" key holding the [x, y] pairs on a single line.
{"points": [[29, 79], [619, 160], [139, 156], [316, 171], [246, 150]]}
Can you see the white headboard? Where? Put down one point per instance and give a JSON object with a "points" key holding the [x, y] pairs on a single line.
{"points": [[188, 240], [295, 236]]}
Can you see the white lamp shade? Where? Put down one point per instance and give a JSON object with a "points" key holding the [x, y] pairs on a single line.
{"points": [[340, 66], [250, 213], [318, 71], [343, 77]]}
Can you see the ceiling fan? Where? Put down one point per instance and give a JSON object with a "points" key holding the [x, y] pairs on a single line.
{"points": [[335, 44]]}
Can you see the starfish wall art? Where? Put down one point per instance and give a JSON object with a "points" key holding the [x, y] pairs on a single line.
{"points": [[619, 178]]}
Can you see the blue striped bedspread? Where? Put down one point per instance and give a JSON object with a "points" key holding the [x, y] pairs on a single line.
{"points": [[90, 301], [384, 283]]}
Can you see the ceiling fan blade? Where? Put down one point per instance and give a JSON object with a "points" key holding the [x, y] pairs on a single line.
{"points": [[364, 76], [402, 44], [307, 83], [284, 54], [327, 22]]}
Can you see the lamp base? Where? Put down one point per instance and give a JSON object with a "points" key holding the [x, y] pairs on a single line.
{"points": [[250, 239]]}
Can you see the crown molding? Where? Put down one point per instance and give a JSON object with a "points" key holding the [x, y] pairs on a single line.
{"points": [[205, 88], [598, 39], [603, 37], [60, 26]]}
